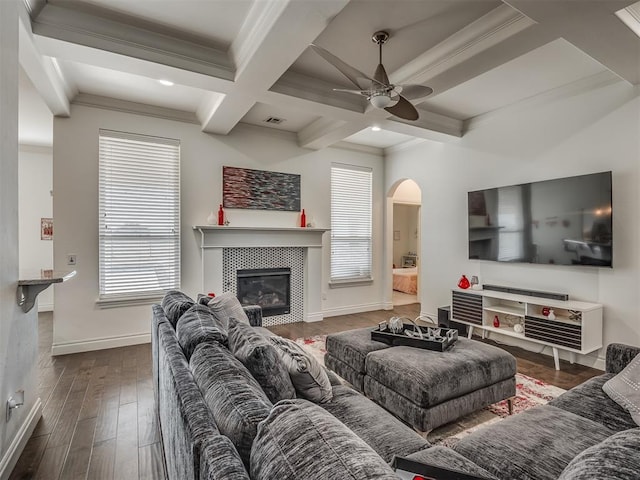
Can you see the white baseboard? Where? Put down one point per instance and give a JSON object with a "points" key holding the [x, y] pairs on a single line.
{"points": [[99, 344], [387, 306], [14, 451], [313, 317], [368, 307]]}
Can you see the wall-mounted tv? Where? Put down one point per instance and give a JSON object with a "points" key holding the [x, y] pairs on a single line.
{"points": [[565, 221]]}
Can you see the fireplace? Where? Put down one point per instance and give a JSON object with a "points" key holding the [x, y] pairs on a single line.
{"points": [[268, 287]]}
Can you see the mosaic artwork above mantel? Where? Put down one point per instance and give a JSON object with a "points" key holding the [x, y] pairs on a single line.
{"points": [[260, 189]]}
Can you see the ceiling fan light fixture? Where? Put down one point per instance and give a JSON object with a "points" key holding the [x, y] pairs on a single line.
{"points": [[380, 100]]}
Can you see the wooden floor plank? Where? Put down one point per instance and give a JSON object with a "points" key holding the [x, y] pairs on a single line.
{"points": [[51, 464], [77, 461], [30, 458], [126, 464], [103, 457], [151, 462]]}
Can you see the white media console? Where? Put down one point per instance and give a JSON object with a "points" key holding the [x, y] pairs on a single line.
{"points": [[576, 328]]}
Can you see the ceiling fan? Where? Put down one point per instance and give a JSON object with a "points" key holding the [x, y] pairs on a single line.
{"points": [[378, 90]]}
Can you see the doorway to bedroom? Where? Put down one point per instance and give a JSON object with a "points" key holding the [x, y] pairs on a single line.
{"points": [[407, 199]]}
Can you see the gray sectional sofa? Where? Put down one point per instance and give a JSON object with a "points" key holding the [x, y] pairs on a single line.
{"points": [[219, 421]]}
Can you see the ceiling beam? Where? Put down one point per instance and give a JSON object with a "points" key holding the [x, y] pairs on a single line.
{"points": [[593, 28], [273, 36], [42, 72], [324, 132]]}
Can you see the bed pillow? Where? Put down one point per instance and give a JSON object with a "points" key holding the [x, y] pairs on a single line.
{"points": [[261, 358], [174, 304], [624, 388], [225, 306], [307, 375]]}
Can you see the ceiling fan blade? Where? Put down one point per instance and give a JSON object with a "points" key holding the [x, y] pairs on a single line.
{"points": [[412, 92], [356, 77], [380, 75], [403, 109], [346, 90]]}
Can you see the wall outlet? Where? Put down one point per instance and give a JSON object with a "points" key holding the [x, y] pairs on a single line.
{"points": [[71, 259]]}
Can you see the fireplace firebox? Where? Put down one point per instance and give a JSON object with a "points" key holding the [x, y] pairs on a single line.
{"points": [[268, 287]]}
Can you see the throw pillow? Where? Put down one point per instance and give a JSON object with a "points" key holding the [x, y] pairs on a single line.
{"points": [[233, 396], [307, 375], [198, 325], [174, 304], [225, 306], [261, 359], [302, 440], [624, 388]]}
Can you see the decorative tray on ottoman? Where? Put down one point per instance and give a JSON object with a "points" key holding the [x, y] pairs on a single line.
{"points": [[411, 335]]}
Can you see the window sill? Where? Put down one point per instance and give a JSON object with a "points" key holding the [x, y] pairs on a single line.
{"points": [[351, 283], [129, 301]]}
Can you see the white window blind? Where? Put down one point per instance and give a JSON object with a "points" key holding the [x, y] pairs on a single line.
{"points": [[139, 183], [511, 221], [351, 200]]}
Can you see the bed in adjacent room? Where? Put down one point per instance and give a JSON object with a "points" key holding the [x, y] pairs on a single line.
{"points": [[406, 280]]}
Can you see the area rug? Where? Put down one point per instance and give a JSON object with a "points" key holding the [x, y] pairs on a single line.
{"points": [[530, 392]]}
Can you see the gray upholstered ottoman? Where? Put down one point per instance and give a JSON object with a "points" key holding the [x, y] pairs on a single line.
{"points": [[424, 388]]}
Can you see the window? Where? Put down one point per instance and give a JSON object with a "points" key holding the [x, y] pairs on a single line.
{"points": [[350, 224], [139, 184]]}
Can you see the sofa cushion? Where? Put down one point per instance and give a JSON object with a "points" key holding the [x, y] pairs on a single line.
{"points": [[537, 443], [198, 325], [624, 389], [225, 306], [174, 304], [616, 458], [589, 401], [428, 378], [307, 375], [262, 359], [444, 457], [387, 435], [220, 460], [234, 397], [300, 440]]}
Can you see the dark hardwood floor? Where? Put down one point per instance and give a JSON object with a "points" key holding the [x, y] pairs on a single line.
{"points": [[98, 420]]}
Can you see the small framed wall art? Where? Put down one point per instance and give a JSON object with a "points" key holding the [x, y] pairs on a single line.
{"points": [[46, 229]]}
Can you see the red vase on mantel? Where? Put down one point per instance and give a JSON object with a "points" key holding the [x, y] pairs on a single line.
{"points": [[496, 321], [464, 282], [303, 219], [221, 216]]}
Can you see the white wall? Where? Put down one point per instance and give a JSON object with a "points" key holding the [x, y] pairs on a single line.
{"points": [[18, 331], [35, 183], [587, 132], [78, 323]]}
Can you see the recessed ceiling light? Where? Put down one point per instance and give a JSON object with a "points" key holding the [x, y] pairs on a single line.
{"points": [[375, 128], [166, 83]]}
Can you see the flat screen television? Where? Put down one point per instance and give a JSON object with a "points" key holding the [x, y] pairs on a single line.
{"points": [[565, 221]]}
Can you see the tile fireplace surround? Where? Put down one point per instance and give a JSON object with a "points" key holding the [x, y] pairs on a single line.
{"points": [[223, 250]]}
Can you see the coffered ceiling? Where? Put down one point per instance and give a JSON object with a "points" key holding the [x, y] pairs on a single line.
{"points": [[248, 61]]}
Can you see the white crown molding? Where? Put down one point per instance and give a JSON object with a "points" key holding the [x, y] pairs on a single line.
{"points": [[583, 85], [404, 146], [489, 30], [259, 22], [356, 147], [82, 28], [117, 105]]}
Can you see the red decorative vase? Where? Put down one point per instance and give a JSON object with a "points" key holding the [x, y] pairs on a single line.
{"points": [[221, 216], [545, 311], [303, 219], [496, 321], [464, 282]]}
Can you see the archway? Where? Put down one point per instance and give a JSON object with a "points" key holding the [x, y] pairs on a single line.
{"points": [[404, 201]]}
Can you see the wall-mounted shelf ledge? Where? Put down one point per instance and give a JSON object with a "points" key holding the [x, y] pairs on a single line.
{"points": [[31, 285]]}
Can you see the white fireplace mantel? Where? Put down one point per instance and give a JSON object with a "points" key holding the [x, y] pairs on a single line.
{"points": [[214, 239], [214, 236]]}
